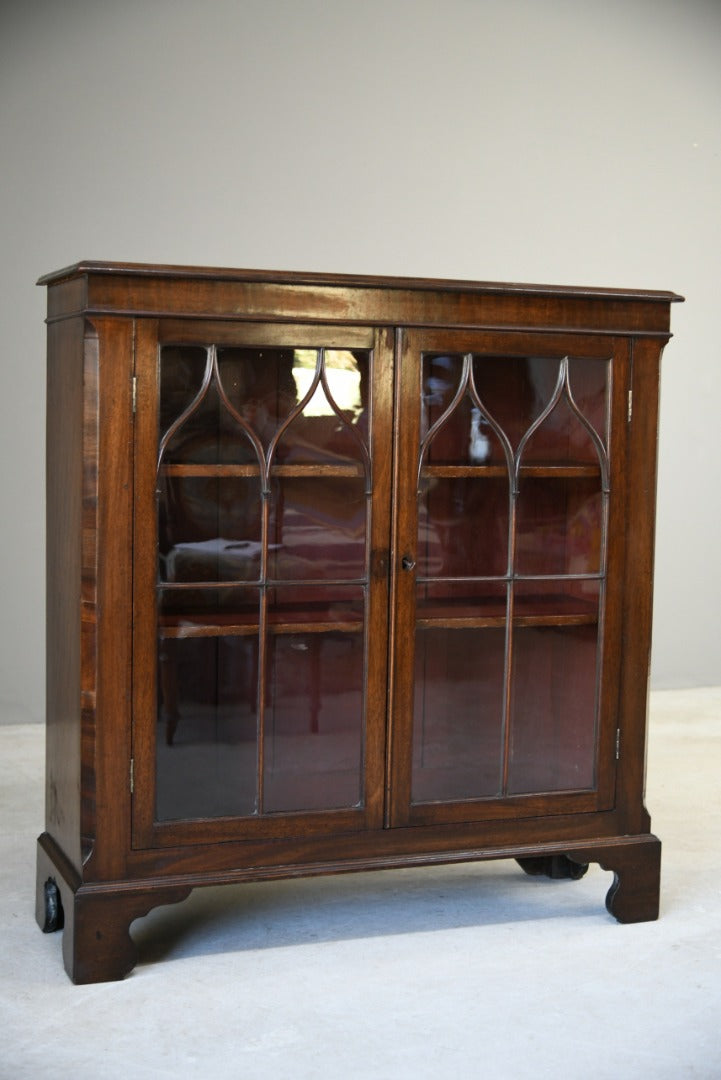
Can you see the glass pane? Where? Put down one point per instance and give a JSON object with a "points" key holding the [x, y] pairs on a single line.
{"points": [[201, 428], [260, 387], [560, 439], [228, 418], [441, 378], [311, 605], [458, 714], [559, 526], [446, 600], [553, 708], [555, 599], [314, 722], [463, 527], [206, 755], [465, 436], [184, 612], [515, 389], [181, 376], [318, 528], [257, 391], [589, 385], [209, 528], [333, 426]]}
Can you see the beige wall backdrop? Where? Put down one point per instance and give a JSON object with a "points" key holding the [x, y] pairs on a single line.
{"points": [[559, 141]]}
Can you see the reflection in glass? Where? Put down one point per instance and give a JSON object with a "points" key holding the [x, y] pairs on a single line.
{"points": [[458, 714], [560, 438], [513, 462], [252, 393], [569, 598], [515, 389], [589, 382], [553, 709], [441, 380], [182, 370], [209, 528], [483, 602], [340, 606], [263, 477], [207, 740], [463, 527], [183, 612], [318, 528], [314, 722], [559, 526]]}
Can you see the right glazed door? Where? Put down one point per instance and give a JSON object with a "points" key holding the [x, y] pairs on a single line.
{"points": [[509, 532]]}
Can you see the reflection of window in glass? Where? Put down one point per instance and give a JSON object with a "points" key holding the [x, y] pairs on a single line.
{"points": [[344, 381]]}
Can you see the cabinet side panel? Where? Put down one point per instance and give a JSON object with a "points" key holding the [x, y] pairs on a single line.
{"points": [[89, 590], [640, 535], [63, 564], [108, 566]]}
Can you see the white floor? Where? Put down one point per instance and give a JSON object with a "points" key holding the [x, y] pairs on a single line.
{"points": [[459, 972]]}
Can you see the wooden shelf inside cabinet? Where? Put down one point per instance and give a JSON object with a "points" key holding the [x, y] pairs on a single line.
{"points": [[221, 471], [344, 573], [532, 611], [551, 471], [177, 626]]}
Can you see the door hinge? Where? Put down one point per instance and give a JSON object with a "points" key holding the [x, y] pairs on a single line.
{"points": [[132, 775], [618, 743], [630, 405], [135, 393]]}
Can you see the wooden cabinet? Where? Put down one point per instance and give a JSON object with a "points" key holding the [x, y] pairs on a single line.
{"points": [[343, 573]]}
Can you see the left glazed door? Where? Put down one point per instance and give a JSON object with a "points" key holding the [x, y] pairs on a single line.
{"points": [[262, 495]]}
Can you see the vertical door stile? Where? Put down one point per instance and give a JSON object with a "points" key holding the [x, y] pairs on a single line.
{"points": [[611, 645], [378, 628], [392, 777], [406, 430], [144, 578]]}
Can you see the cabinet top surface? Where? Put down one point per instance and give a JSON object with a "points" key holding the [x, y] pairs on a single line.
{"points": [[202, 273]]}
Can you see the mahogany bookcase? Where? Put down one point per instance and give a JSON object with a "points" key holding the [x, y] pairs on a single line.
{"points": [[343, 573]]}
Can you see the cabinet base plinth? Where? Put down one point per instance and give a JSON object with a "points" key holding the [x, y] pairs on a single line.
{"points": [[96, 917], [636, 866]]}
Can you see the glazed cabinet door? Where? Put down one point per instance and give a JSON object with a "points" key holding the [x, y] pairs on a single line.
{"points": [[262, 518], [509, 525]]}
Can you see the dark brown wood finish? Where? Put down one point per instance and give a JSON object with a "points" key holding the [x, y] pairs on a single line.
{"points": [[69, 636], [403, 606], [105, 858]]}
